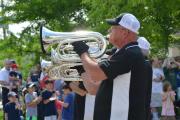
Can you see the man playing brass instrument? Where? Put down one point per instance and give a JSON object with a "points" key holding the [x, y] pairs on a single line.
{"points": [[122, 94]]}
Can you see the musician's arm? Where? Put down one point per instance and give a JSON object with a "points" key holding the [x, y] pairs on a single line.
{"points": [[92, 68], [105, 69], [91, 86], [108, 68]]}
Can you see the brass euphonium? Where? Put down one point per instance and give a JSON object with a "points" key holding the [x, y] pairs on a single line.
{"points": [[58, 44]]}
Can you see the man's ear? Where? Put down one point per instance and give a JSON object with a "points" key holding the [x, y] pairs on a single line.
{"points": [[126, 33]]}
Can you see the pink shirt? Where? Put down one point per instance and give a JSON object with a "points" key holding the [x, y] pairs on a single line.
{"points": [[167, 105]]}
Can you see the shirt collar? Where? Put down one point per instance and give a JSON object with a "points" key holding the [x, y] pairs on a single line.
{"points": [[129, 45]]}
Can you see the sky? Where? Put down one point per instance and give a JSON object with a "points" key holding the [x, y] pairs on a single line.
{"points": [[15, 28]]}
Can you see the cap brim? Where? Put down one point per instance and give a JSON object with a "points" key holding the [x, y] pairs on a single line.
{"points": [[12, 95], [24, 89], [111, 22], [32, 85]]}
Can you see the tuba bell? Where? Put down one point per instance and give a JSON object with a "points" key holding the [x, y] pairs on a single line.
{"points": [[61, 41], [58, 44]]}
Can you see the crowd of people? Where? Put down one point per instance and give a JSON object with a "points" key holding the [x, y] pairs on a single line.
{"points": [[125, 86], [40, 98], [165, 86]]}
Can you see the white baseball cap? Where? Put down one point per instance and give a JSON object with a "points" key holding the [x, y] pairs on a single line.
{"points": [[143, 43], [127, 21]]}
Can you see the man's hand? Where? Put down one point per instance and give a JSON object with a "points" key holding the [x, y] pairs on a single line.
{"points": [[75, 88], [80, 47], [90, 85]]}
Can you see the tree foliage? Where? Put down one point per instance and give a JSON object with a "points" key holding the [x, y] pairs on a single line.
{"points": [[57, 14], [159, 20]]}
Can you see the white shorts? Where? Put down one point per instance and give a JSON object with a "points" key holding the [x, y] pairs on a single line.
{"points": [[52, 117]]}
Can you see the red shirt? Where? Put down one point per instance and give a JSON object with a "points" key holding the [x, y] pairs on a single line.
{"points": [[42, 82], [58, 104]]}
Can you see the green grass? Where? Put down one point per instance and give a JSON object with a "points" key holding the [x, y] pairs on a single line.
{"points": [[1, 115]]}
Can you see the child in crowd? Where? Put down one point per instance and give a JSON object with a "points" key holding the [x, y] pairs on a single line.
{"points": [[168, 98], [48, 98], [23, 102], [68, 104], [14, 81], [12, 108], [31, 101], [58, 104]]}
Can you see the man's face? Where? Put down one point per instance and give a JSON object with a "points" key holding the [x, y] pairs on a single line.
{"points": [[169, 88], [117, 36], [49, 86], [12, 77], [8, 65], [155, 62], [12, 98], [31, 89], [66, 91]]}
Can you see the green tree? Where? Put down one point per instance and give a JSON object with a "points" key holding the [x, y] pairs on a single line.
{"points": [[159, 19], [57, 13], [60, 15]]}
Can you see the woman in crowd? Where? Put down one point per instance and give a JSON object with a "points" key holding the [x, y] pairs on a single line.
{"points": [[170, 67], [158, 77]]}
